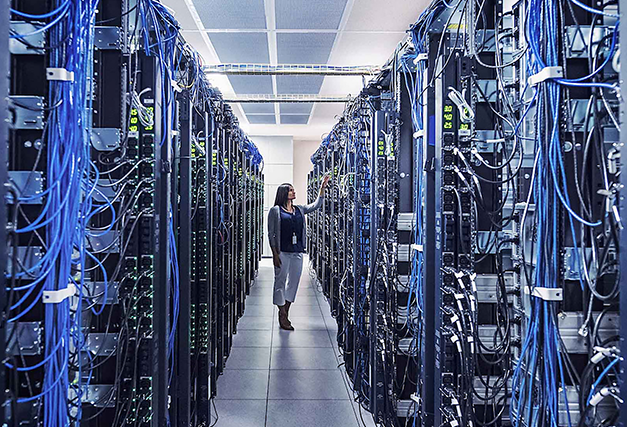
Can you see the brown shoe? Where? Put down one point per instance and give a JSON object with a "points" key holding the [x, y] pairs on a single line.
{"points": [[283, 322], [288, 304]]}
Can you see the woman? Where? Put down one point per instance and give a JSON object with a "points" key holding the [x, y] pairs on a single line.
{"points": [[287, 236]]}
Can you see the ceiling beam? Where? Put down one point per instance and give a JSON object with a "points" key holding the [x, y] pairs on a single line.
{"points": [[270, 11], [294, 69], [296, 98]]}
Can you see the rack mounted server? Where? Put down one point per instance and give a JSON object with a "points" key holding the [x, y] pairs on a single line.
{"points": [[133, 218], [470, 243]]}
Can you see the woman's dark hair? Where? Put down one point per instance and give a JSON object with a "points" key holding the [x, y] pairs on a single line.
{"points": [[281, 194]]}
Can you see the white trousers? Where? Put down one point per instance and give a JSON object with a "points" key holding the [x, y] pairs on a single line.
{"points": [[287, 277]]}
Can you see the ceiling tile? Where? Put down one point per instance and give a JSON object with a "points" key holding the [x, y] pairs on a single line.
{"points": [[296, 108], [307, 85], [261, 119], [258, 107], [307, 14], [294, 119], [300, 48], [251, 84], [328, 112], [342, 85], [365, 49], [375, 15], [241, 47], [235, 14]]}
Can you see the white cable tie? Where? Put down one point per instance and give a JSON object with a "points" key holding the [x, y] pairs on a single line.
{"points": [[419, 133], [454, 401], [546, 294], [545, 74], [58, 296], [454, 318], [459, 296], [414, 397], [454, 423], [417, 248], [421, 57], [59, 74]]}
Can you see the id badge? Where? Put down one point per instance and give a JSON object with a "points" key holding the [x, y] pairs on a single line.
{"points": [[294, 240]]}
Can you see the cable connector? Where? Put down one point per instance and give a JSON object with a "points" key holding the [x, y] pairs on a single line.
{"points": [[58, 296], [547, 73], [59, 74], [176, 86], [603, 352], [605, 391]]}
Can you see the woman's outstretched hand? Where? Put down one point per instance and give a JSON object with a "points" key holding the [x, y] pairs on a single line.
{"points": [[325, 181]]}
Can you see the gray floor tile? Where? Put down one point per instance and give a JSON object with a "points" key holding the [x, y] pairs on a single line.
{"points": [[243, 384], [301, 339], [309, 348], [305, 290], [308, 324], [262, 285], [261, 292], [303, 358], [252, 338], [258, 300], [260, 310], [311, 413], [241, 413], [256, 323], [311, 311], [249, 358], [307, 384], [306, 300]]}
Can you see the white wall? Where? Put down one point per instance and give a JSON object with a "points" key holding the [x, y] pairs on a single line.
{"points": [[302, 166], [278, 158]]}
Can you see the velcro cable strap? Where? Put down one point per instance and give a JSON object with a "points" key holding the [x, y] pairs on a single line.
{"points": [[55, 297], [546, 74], [59, 74], [546, 294]]}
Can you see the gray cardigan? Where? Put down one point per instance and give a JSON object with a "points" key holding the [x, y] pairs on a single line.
{"points": [[274, 222]]}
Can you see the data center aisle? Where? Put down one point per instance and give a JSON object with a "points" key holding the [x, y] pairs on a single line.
{"points": [[279, 378]]}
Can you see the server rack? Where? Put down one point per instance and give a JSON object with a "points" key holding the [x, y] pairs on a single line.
{"points": [[504, 333], [140, 321]]}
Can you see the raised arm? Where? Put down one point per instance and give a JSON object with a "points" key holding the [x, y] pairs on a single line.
{"points": [[316, 205]]}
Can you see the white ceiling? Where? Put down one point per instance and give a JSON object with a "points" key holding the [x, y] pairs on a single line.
{"points": [[334, 32]]}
